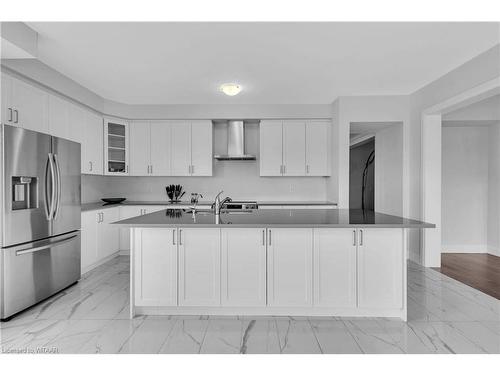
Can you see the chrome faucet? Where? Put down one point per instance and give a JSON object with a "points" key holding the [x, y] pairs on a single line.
{"points": [[218, 204]]}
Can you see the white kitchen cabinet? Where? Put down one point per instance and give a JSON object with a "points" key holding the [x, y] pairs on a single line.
{"points": [[58, 117], [289, 264], [155, 260], [116, 147], [24, 105], [199, 266], [107, 233], [380, 267], [243, 267], [318, 148], [271, 148], [201, 148], [92, 144], [334, 267], [126, 212], [294, 148], [77, 122], [160, 146], [89, 257], [140, 150], [181, 148]]}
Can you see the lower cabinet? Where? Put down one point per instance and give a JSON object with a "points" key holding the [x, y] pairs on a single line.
{"points": [[243, 266], [289, 267], [380, 268], [199, 266], [334, 267], [126, 212], [100, 238], [155, 263]]}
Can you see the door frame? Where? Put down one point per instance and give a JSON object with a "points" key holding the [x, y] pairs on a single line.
{"points": [[430, 151]]}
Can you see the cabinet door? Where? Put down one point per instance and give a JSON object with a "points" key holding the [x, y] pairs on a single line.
{"points": [[6, 108], [58, 117], [199, 267], [89, 240], [140, 150], [181, 148], [290, 267], [108, 235], [317, 148], [243, 267], [201, 148], [155, 259], [77, 123], [92, 146], [126, 212], [161, 139], [335, 267], [271, 148], [116, 147], [380, 267], [294, 148], [30, 106]]}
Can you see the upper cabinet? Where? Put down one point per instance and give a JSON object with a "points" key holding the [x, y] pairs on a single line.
{"points": [[24, 105], [92, 144], [116, 147], [171, 148], [294, 148]]}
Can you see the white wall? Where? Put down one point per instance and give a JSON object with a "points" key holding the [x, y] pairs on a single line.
{"points": [[494, 190], [481, 69], [389, 170], [464, 189]]}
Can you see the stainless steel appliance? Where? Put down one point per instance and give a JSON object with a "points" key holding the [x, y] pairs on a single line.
{"points": [[235, 142], [40, 253]]}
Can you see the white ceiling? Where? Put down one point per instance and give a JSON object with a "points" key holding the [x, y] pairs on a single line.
{"points": [[276, 63]]}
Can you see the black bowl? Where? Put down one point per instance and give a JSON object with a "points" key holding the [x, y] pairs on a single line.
{"points": [[113, 200]]}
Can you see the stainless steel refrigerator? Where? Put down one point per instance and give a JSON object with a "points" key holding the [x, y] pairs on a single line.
{"points": [[41, 202]]}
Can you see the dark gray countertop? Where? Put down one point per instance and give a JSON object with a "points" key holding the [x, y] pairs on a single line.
{"points": [[184, 204], [302, 218]]}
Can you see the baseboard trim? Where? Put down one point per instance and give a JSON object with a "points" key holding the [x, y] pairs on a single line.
{"points": [[494, 250], [124, 252], [99, 263], [472, 249]]}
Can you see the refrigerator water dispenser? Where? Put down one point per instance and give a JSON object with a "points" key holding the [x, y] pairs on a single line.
{"points": [[24, 193]]}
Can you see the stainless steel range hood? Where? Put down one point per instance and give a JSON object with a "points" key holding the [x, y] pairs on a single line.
{"points": [[235, 142]]}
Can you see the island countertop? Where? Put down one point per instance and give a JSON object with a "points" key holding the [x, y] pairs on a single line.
{"points": [[305, 218]]}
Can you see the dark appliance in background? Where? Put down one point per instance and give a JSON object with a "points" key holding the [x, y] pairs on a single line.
{"points": [[362, 175]]}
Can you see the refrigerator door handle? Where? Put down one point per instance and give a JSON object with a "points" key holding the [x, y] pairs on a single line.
{"points": [[46, 245], [46, 190], [52, 187], [58, 186]]}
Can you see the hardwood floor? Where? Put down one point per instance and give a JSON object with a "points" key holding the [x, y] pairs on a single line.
{"points": [[480, 271]]}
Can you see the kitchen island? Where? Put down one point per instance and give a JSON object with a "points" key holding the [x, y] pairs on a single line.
{"points": [[269, 262]]}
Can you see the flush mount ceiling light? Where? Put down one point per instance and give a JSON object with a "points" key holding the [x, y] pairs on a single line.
{"points": [[230, 89]]}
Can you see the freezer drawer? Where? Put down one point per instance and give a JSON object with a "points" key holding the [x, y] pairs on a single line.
{"points": [[36, 270]]}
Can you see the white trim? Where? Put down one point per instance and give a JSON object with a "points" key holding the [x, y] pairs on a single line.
{"points": [[99, 263], [472, 249], [361, 138], [493, 250], [271, 311]]}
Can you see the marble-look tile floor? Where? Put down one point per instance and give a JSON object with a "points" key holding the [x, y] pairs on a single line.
{"points": [[445, 316]]}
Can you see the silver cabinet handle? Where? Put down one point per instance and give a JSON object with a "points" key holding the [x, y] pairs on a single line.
{"points": [[151, 169], [173, 236], [180, 237], [284, 169], [361, 237], [126, 169], [192, 169], [59, 186], [307, 168], [10, 114], [46, 191], [281, 169], [263, 237], [270, 242], [16, 116], [90, 166], [189, 169], [354, 237]]}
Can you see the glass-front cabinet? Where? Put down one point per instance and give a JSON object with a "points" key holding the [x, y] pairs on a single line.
{"points": [[116, 147]]}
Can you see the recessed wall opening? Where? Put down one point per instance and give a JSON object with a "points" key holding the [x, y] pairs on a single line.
{"points": [[376, 166]]}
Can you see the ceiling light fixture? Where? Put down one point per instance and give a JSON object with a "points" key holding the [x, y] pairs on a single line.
{"points": [[230, 89]]}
